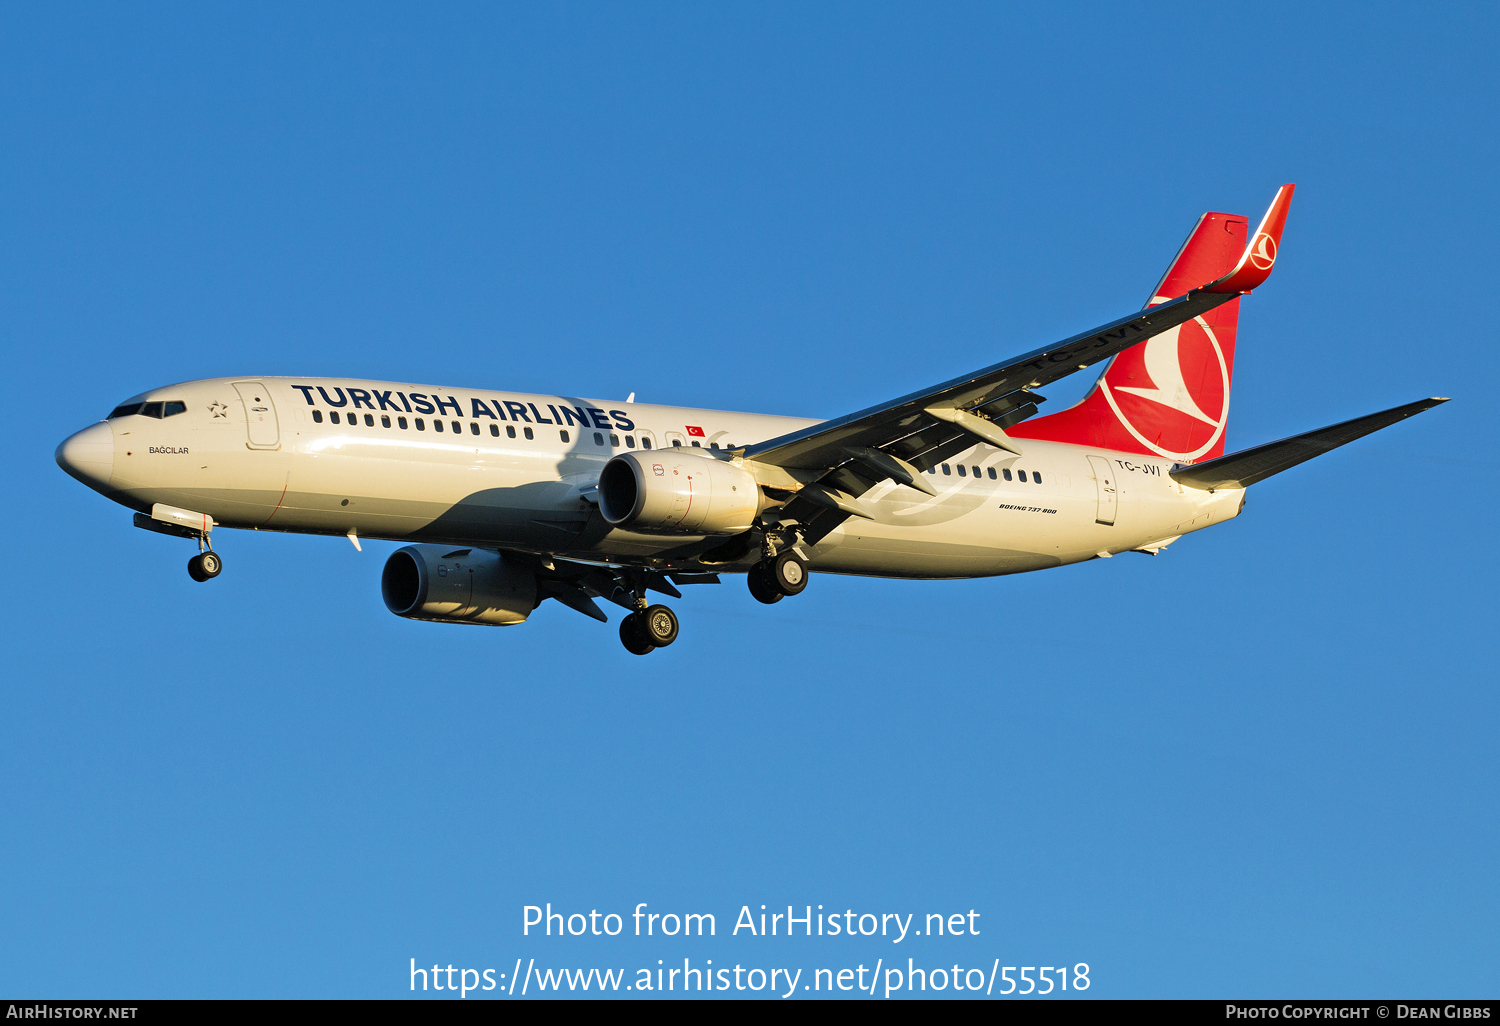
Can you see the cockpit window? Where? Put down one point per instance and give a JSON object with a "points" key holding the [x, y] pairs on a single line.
{"points": [[157, 410]]}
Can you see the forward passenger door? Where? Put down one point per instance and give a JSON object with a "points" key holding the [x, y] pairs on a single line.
{"points": [[260, 415]]}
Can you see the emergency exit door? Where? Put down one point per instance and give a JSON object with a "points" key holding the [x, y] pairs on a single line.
{"points": [[260, 415], [1104, 479]]}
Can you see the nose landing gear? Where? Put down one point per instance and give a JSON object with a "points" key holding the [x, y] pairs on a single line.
{"points": [[180, 523], [206, 565], [646, 630]]}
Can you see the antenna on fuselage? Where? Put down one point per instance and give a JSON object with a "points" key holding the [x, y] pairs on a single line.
{"points": [[630, 398]]}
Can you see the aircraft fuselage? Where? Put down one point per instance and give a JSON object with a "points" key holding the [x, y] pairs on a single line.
{"points": [[417, 463]]}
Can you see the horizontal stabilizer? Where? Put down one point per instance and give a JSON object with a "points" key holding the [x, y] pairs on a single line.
{"points": [[1242, 469]]}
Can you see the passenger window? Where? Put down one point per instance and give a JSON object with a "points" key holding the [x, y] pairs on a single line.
{"points": [[317, 416], [677, 443], [697, 444], [598, 438], [128, 410], [494, 430], [992, 473], [645, 442], [563, 434], [369, 420], [334, 416], [614, 441], [401, 423], [528, 432], [1036, 475], [1006, 472], [713, 445], [630, 441], [946, 471], [962, 472], [976, 472], [1021, 474], [173, 409], [437, 425], [510, 431], [421, 424], [458, 428], [151, 410], [385, 420]]}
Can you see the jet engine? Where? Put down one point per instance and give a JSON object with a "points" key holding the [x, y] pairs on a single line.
{"points": [[438, 582], [677, 491]]}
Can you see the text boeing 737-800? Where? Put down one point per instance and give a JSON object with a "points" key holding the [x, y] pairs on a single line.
{"points": [[511, 499]]}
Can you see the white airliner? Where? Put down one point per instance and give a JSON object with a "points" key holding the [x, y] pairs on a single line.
{"points": [[511, 499]]}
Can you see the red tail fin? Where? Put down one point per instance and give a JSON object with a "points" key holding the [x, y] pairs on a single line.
{"points": [[1168, 396]]}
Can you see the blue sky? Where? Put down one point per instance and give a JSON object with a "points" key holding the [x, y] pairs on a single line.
{"points": [[1262, 764]]}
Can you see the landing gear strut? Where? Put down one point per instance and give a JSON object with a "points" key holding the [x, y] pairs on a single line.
{"points": [[772, 580], [206, 565], [646, 630]]}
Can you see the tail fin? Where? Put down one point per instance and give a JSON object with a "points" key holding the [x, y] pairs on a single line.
{"points": [[1168, 396]]}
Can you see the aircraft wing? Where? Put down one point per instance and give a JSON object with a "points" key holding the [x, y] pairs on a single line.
{"points": [[905, 436], [986, 395], [1245, 468]]}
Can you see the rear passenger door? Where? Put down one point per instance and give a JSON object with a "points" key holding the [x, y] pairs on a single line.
{"points": [[1104, 479]]}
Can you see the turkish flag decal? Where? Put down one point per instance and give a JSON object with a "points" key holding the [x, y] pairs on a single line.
{"points": [[694, 432]]}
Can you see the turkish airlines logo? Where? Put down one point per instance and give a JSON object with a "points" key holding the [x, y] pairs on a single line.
{"points": [[1195, 422], [1263, 252]]}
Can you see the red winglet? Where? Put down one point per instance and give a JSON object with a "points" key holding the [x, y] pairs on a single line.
{"points": [[1260, 255]]}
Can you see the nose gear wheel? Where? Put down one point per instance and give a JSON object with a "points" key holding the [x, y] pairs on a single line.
{"points": [[205, 566]]}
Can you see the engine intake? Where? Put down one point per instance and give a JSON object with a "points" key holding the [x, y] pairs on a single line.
{"points": [[437, 582], [677, 491]]}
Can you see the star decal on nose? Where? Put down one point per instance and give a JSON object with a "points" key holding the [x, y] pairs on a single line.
{"points": [[218, 409]]}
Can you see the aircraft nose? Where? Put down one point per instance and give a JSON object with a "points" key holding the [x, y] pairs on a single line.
{"points": [[89, 455]]}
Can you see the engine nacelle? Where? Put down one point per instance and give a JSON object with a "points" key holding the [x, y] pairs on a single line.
{"points": [[677, 491], [439, 582]]}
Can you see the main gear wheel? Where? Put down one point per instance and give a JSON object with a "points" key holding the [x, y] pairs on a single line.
{"points": [[788, 573]]}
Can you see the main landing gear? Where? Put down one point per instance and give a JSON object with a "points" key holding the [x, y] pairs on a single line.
{"points": [[773, 579], [649, 629], [206, 565]]}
